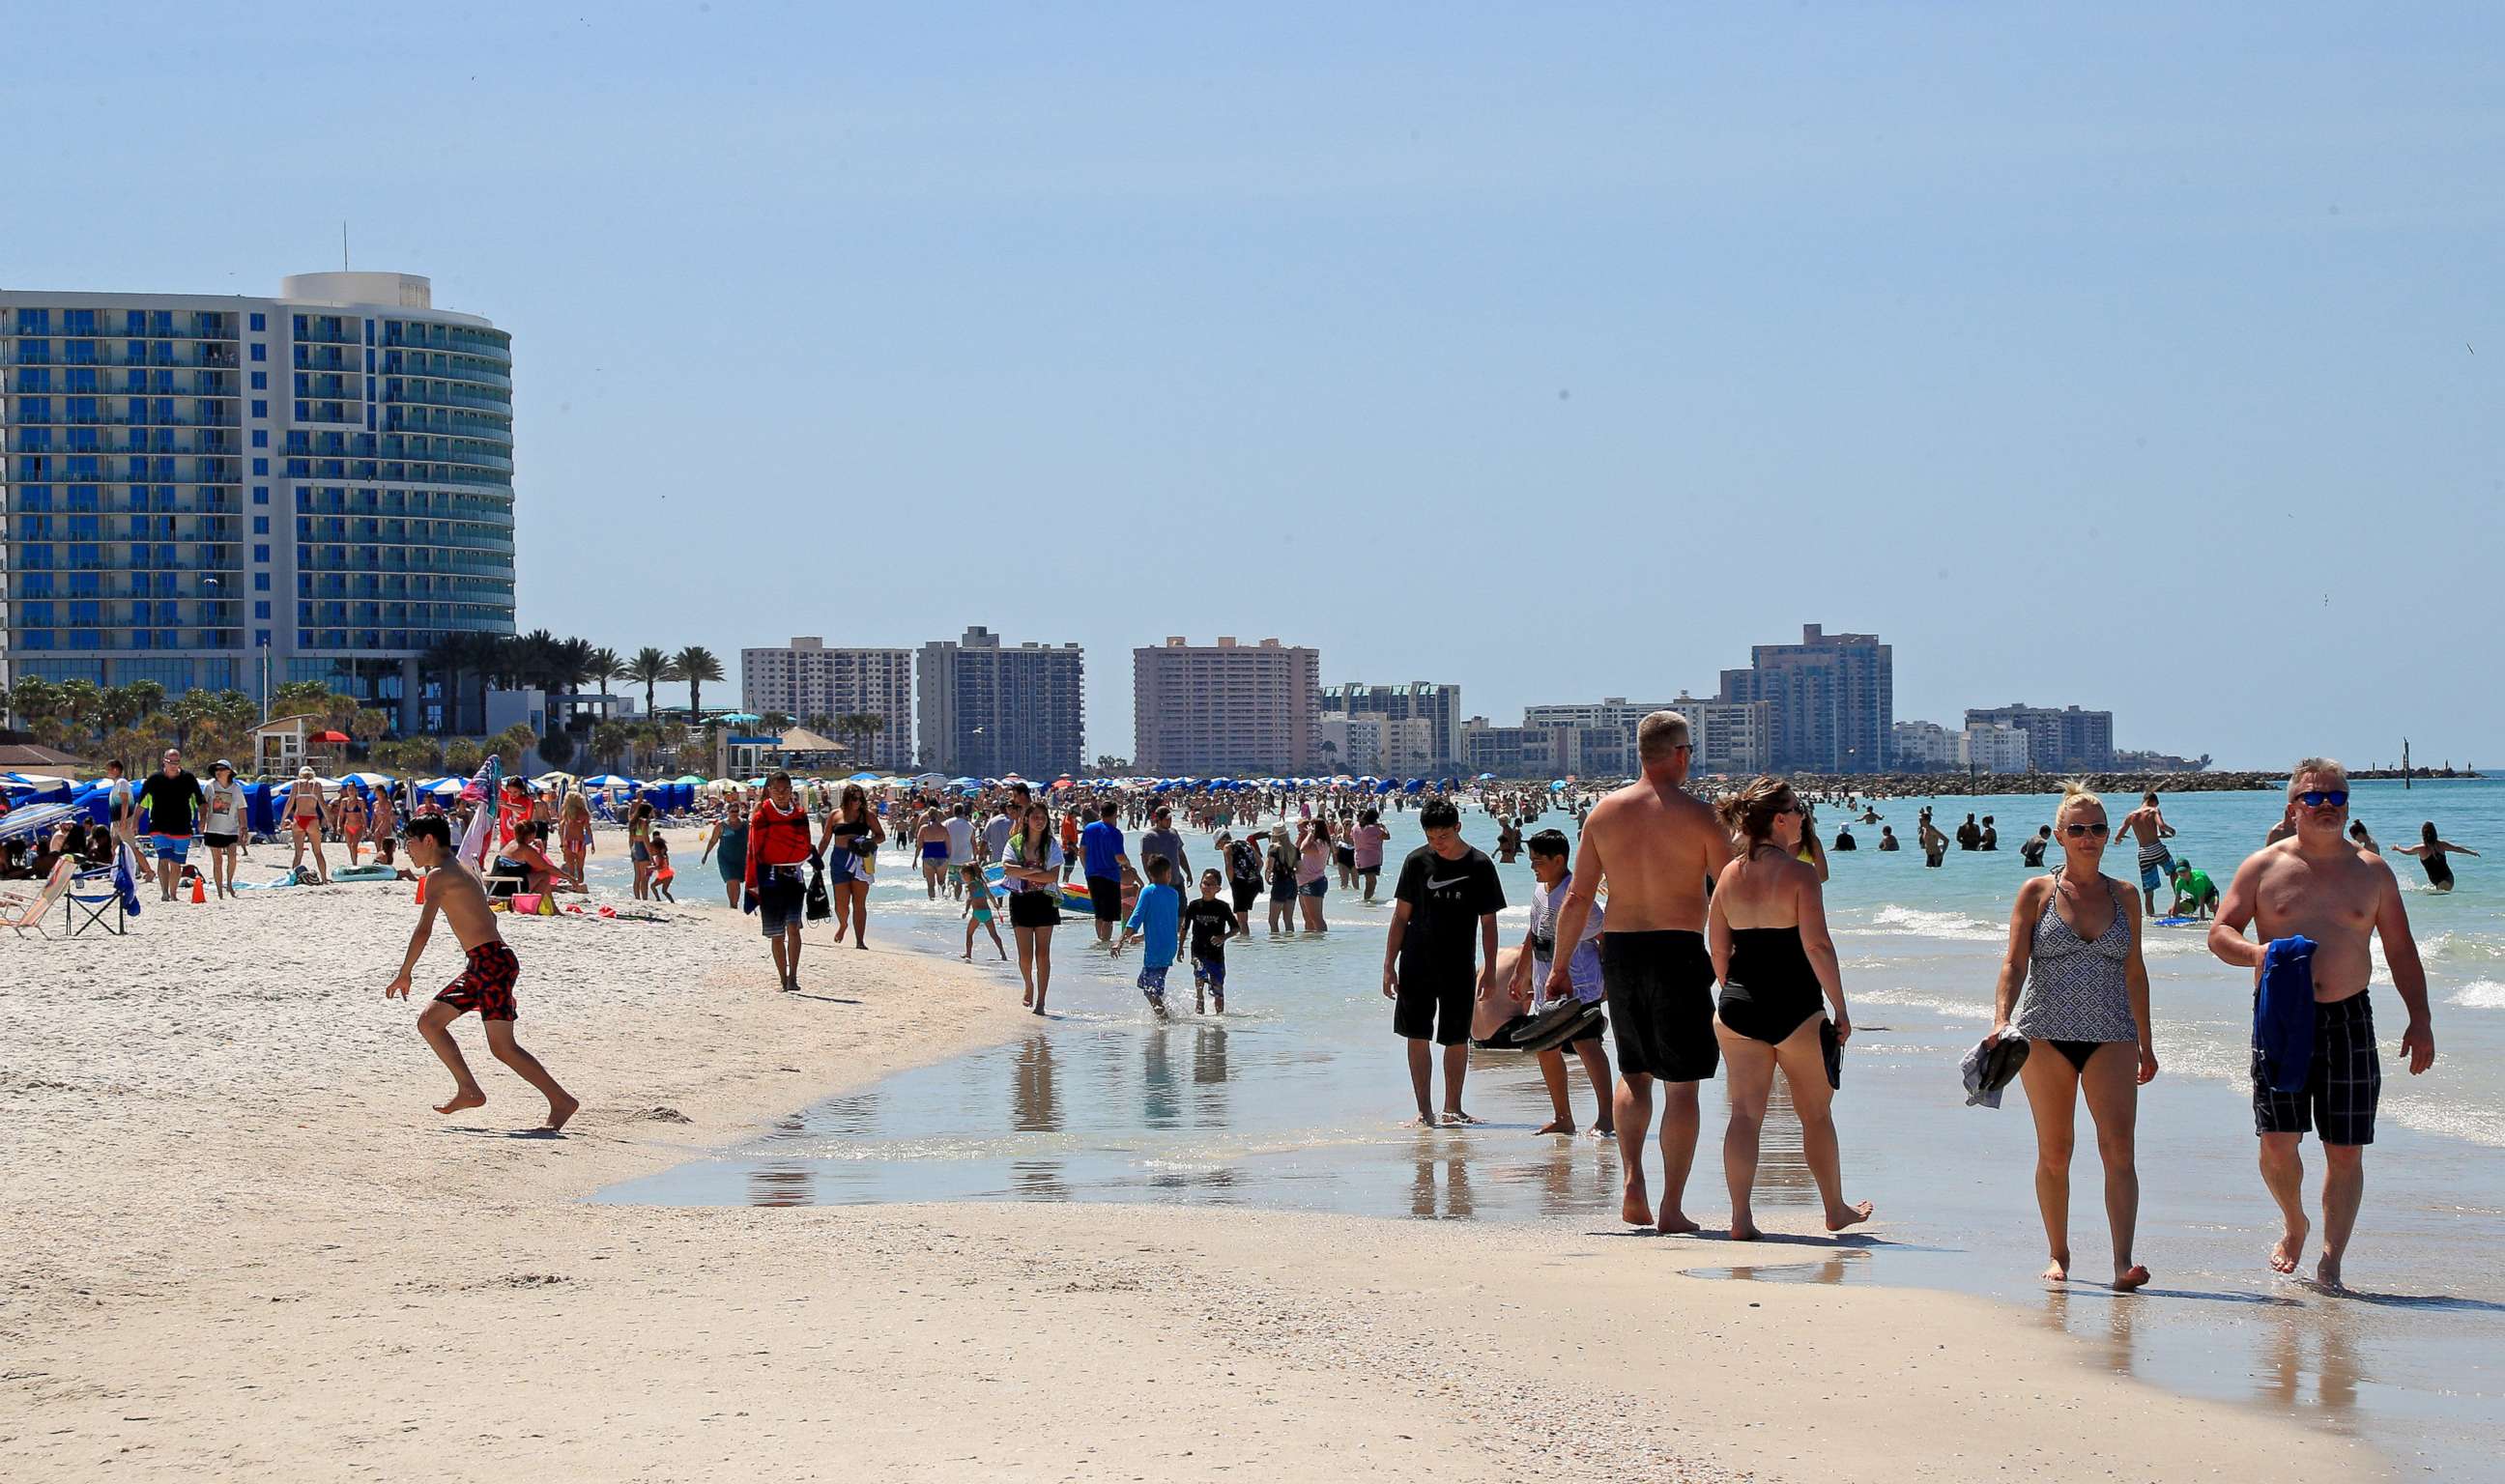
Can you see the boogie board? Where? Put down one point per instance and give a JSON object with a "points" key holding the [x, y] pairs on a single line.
{"points": [[2181, 922]]}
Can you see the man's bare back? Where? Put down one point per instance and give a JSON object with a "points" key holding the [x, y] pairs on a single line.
{"points": [[1656, 844], [2146, 824]]}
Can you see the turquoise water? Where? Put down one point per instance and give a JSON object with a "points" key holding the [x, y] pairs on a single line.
{"points": [[1298, 1098]]}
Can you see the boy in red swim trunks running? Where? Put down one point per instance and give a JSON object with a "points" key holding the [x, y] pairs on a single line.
{"points": [[485, 986]]}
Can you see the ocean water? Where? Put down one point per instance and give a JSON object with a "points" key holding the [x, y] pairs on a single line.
{"points": [[1298, 1099]]}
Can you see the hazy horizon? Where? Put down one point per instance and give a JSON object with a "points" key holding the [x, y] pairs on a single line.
{"points": [[2138, 359]]}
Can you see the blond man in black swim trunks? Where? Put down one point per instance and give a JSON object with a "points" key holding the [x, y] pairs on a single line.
{"points": [[2314, 885], [1655, 846]]}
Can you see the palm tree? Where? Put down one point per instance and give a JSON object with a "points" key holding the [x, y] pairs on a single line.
{"points": [[776, 722], [695, 664], [602, 666], [609, 739], [650, 667]]}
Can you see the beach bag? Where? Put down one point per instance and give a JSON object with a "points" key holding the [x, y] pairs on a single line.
{"points": [[818, 907], [534, 904]]}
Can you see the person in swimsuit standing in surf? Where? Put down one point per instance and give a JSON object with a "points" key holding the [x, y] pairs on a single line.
{"points": [[2074, 944], [1767, 932]]}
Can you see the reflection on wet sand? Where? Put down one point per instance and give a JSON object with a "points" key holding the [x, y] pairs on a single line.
{"points": [[2334, 1371], [1160, 1102], [1834, 1270], [1033, 1106], [781, 1185], [1453, 1200], [1038, 1180]]}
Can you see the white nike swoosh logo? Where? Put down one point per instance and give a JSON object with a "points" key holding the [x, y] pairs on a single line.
{"points": [[1433, 884]]}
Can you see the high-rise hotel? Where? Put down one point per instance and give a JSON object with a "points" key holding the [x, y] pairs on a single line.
{"points": [[222, 491]]}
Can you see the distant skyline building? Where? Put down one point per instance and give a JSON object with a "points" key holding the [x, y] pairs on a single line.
{"points": [[985, 708], [1439, 705], [1733, 738], [817, 686], [1993, 747], [2067, 740], [193, 484], [1224, 708], [1830, 700], [1924, 747]]}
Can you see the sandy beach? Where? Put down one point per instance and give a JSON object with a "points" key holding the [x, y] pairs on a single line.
{"points": [[240, 1244]]}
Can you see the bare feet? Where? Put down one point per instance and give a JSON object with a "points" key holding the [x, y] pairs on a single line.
{"points": [[1636, 1209], [1428, 1120], [2129, 1278], [1564, 1127], [2326, 1271], [1605, 1131], [1852, 1216], [561, 1107], [2289, 1249], [1456, 1118], [467, 1098], [2058, 1270], [1744, 1228]]}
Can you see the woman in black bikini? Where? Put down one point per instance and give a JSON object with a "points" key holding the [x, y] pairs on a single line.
{"points": [[2074, 944], [852, 837], [2432, 851], [1766, 931]]}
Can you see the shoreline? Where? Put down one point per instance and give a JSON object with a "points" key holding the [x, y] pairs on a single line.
{"points": [[244, 1245]]}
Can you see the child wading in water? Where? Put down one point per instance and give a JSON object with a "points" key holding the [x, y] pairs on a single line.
{"points": [[1158, 920], [662, 874], [1211, 920], [978, 913], [485, 986]]}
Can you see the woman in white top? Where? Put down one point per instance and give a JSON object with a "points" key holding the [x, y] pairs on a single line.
{"points": [[1031, 870], [222, 829]]}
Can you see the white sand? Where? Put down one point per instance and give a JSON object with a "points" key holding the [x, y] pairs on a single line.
{"points": [[238, 1243]]}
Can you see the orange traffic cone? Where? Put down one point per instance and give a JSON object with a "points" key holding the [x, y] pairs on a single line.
{"points": [[199, 893], [421, 891]]}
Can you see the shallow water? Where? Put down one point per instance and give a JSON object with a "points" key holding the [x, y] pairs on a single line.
{"points": [[1298, 1100]]}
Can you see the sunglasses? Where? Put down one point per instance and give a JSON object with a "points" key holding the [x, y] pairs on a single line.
{"points": [[2324, 798], [2082, 831]]}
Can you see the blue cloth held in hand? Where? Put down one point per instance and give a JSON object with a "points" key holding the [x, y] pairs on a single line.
{"points": [[2283, 1013]]}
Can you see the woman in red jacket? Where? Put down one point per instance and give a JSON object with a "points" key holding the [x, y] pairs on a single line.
{"points": [[778, 847]]}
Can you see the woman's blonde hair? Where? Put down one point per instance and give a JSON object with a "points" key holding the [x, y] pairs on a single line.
{"points": [[1753, 809], [2074, 792]]}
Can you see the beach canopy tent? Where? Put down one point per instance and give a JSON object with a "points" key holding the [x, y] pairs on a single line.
{"points": [[739, 716], [39, 787], [259, 809], [35, 819], [864, 778]]}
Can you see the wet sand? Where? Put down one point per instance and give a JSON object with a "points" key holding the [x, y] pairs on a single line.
{"points": [[238, 1243]]}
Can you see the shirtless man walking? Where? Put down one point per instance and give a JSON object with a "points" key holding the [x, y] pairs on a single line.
{"points": [[1655, 844], [2315, 884], [2147, 825], [486, 983]]}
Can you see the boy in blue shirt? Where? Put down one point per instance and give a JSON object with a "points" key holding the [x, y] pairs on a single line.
{"points": [[1157, 920]]}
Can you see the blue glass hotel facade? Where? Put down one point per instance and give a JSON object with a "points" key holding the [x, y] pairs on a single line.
{"points": [[229, 493]]}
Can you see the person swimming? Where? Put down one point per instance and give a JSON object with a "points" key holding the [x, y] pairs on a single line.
{"points": [[2430, 852]]}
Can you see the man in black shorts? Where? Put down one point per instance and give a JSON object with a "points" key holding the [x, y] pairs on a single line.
{"points": [[1442, 945], [1100, 850], [2314, 885], [1655, 846]]}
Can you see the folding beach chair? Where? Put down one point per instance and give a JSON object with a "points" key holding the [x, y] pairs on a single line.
{"points": [[24, 914], [92, 900]]}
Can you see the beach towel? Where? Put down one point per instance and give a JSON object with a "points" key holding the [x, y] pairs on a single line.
{"points": [[1991, 1067], [2283, 1013]]}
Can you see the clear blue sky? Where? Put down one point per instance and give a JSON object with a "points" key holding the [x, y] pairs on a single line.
{"points": [[2137, 358]]}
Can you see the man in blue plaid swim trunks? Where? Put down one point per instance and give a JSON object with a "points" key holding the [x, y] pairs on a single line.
{"points": [[2317, 886]]}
